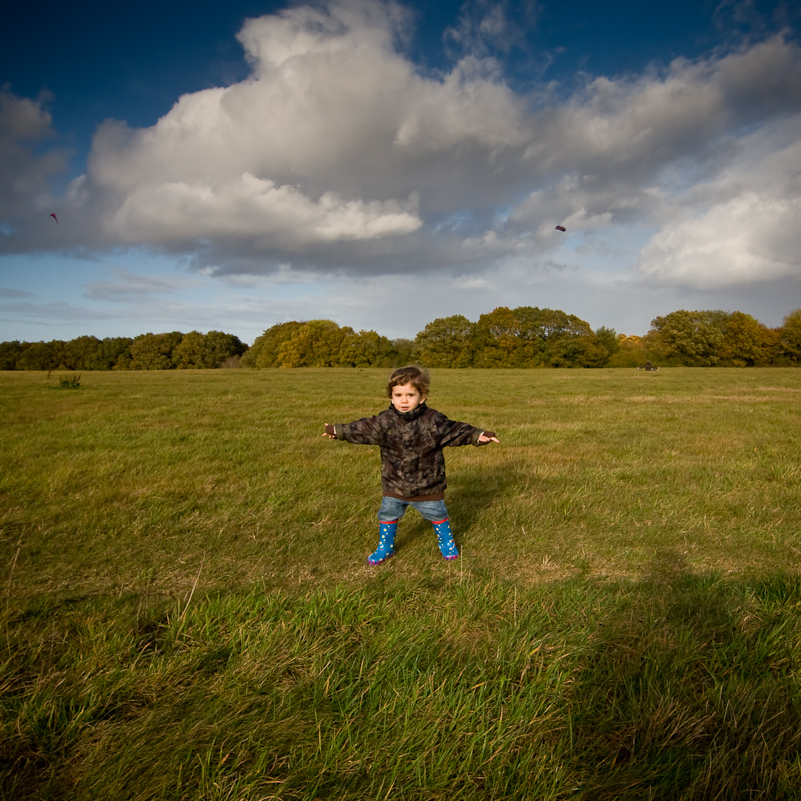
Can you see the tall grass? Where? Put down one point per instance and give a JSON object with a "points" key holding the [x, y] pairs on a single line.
{"points": [[187, 612]]}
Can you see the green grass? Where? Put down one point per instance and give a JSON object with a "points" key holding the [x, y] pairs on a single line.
{"points": [[187, 612]]}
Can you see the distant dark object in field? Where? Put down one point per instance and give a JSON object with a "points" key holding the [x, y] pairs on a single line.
{"points": [[648, 367], [560, 228], [54, 217]]}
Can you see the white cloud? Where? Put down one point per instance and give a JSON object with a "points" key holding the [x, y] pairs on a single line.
{"points": [[271, 215], [625, 128], [337, 155], [333, 138], [741, 227]]}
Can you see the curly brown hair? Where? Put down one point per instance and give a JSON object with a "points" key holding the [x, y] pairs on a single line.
{"points": [[411, 374]]}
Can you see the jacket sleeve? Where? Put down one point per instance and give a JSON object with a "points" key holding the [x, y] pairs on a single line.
{"points": [[366, 431], [453, 433]]}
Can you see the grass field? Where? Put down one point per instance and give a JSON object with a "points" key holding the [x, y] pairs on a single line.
{"points": [[187, 610]]}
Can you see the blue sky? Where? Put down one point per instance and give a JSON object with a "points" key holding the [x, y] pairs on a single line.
{"points": [[234, 165]]}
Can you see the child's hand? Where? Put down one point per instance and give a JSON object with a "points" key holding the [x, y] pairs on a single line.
{"points": [[488, 436], [329, 431]]}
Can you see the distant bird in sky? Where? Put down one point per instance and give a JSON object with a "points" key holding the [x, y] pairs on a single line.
{"points": [[560, 228], [53, 215]]}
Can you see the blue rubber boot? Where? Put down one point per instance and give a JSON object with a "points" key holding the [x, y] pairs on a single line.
{"points": [[386, 543], [447, 546]]}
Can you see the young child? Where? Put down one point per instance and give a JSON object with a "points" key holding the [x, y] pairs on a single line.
{"points": [[411, 437]]}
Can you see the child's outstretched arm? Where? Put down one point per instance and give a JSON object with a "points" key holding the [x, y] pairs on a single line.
{"points": [[366, 431], [451, 433]]}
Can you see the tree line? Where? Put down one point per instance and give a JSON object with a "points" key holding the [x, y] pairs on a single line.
{"points": [[168, 351], [523, 337], [532, 337]]}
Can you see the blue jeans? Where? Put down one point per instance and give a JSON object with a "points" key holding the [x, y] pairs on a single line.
{"points": [[394, 509]]}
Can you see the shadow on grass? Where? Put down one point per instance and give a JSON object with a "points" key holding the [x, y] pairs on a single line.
{"points": [[690, 689], [475, 491], [680, 686], [469, 495]]}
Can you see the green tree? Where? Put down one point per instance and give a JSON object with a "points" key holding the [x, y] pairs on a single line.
{"points": [[219, 346], [570, 341], [403, 351], [557, 339], [154, 351], [41, 356], [771, 343], [609, 339], [189, 352], [630, 352], [444, 343], [556, 323], [495, 340], [790, 336], [206, 351], [113, 354], [316, 343], [264, 350], [746, 342], [366, 349], [691, 338], [532, 337], [584, 350], [78, 354], [9, 354]]}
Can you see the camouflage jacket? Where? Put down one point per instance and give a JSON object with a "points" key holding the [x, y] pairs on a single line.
{"points": [[411, 443]]}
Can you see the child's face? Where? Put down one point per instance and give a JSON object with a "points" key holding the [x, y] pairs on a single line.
{"points": [[406, 398]]}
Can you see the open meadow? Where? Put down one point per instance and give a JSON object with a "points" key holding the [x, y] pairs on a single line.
{"points": [[187, 610]]}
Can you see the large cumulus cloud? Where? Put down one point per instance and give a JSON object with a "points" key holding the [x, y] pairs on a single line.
{"points": [[337, 153]]}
